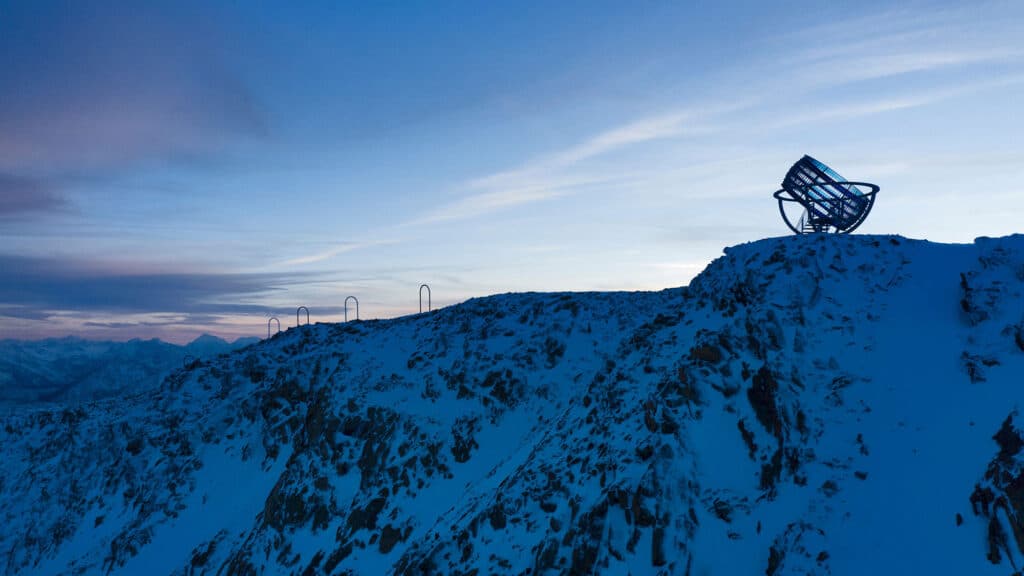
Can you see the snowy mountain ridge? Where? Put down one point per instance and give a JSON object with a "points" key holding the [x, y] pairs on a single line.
{"points": [[808, 405], [63, 370]]}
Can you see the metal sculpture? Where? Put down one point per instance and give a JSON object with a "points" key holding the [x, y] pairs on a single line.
{"points": [[273, 319], [299, 309], [346, 307], [829, 202], [422, 286]]}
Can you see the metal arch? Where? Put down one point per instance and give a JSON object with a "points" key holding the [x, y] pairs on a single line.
{"points": [[273, 319], [346, 307], [785, 195], [782, 211], [422, 286], [299, 309], [870, 198]]}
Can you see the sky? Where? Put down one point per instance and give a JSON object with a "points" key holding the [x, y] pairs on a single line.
{"points": [[169, 169]]}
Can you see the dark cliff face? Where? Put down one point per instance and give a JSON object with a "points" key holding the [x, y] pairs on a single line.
{"points": [[806, 406]]}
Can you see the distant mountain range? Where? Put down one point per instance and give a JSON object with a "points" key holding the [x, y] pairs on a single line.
{"points": [[61, 370]]}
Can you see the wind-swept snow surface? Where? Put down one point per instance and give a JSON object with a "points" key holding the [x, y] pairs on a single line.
{"points": [[809, 405]]}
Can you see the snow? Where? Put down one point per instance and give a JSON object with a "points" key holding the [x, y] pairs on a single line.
{"points": [[808, 405], [227, 489]]}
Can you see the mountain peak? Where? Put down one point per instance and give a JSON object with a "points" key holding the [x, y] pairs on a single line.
{"points": [[808, 405], [207, 340]]}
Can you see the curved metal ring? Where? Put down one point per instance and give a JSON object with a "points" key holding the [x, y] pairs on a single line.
{"points": [[429, 307], [869, 196], [356, 300]]}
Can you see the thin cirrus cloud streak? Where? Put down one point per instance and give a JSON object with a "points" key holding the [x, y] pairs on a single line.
{"points": [[545, 178], [897, 43], [821, 114], [553, 175], [887, 65], [525, 191], [883, 55], [858, 66], [892, 104], [334, 251]]}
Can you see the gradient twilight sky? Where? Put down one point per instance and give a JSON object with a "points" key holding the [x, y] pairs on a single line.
{"points": [[172, 168]]}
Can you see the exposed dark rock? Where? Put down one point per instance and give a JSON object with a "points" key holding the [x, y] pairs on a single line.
{"points": [[1009, 440], [1001, 494], [706, 353], [761, 395]]}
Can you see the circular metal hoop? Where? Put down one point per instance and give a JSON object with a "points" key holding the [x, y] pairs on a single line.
{"points": [[354, 299], [787, 195]]}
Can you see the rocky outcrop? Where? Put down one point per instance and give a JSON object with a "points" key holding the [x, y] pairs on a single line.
{"points": [[727, 427]]}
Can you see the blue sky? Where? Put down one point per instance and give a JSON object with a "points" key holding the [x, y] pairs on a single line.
{"points": [[187, 167]]}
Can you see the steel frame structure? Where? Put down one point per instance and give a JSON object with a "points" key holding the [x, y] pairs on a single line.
{"points": [[830, 203]]}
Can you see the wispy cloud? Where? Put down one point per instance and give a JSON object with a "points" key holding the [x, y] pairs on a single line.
{"points": [[668, 125], [868, 107], [557, 174], [900, 42], [20, 195], [37, 287], [893, 44], [337, 250], [858, 67], [526, 190]]}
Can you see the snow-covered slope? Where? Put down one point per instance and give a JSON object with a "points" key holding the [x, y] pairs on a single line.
{"points": [[808, 405], [63, 370]]}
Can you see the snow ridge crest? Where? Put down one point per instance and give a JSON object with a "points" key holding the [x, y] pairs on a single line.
{"points": [[808, 405]]}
